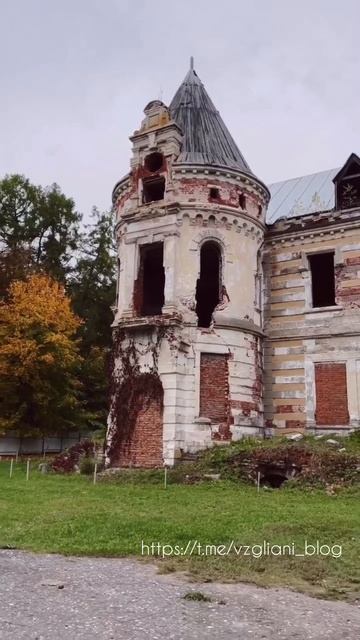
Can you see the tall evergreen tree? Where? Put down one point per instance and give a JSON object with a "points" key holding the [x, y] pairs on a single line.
{"points": [[93, 285], [93, 290]]}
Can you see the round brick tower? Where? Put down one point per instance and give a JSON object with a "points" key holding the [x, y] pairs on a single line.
{"points": [[187, 365]]}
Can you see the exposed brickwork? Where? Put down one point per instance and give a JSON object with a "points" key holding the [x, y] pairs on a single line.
{"points": [[294, 424], [214, 390], [352, 261], [228, 193], [347, 296], [289, 408], [245, 406], [146, 446], [331, 394]]}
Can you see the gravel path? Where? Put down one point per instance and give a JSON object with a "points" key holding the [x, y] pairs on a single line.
{"points": [[47, 597]]}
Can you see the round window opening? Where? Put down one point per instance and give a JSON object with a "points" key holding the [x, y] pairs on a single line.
{"points": [[154, 161]]}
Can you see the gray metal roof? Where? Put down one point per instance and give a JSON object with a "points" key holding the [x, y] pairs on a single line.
{"points": [[299, 196], [206, 138]]}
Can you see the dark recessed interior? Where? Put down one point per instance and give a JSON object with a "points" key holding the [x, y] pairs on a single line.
{"points": [[322, 279], [153, 189], [208, 285], [154, 161], [214, 193], [152, 279]]}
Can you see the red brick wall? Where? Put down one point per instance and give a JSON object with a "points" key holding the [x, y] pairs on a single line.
{"points": [[146, 446], [331, 394], [214, 387]]}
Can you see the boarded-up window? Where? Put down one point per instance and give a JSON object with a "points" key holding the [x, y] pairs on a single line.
{"points": [[331, 394], [214, 386]]}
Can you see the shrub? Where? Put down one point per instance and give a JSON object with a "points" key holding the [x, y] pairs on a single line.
{"points": [[87, 465], [67, 460]]}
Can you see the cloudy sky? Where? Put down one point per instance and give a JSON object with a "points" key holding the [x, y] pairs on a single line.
{"points": [[76, 75]]}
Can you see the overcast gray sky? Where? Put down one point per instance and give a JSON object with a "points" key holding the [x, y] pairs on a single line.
{"points": [[76, 75]]}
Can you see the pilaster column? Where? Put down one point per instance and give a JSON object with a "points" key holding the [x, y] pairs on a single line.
{"points": [[127, 281], [170, 251]]}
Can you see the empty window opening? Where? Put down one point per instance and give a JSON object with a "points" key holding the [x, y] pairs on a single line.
{"points": [[154, 161], [242, 201], [259, 210], [153, 189], [214, 193], [209, 284], [322, 279], [149, 288]]}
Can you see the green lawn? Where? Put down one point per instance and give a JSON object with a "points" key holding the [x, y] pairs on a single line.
{"points": [[69, 515]]}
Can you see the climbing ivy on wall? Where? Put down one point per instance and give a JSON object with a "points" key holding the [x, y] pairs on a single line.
{"points": [[131, 389]]}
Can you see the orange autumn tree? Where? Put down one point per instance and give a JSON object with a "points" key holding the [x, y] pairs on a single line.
{"points": [[40, 392]]}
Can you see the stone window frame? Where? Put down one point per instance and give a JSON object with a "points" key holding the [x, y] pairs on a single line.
{"points": [[310, 391], [305, 270], [214, 236], [199, 348]]}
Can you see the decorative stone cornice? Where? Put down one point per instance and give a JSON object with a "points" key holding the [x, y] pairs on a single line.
{"points": [[239, 324], [238, 176], [121, 186], [288, 230]]}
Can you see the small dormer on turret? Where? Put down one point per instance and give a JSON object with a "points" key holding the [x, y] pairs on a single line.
{"points": [[155, 146]]}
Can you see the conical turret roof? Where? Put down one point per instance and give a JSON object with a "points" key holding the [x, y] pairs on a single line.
{"points": [[207, 140]]}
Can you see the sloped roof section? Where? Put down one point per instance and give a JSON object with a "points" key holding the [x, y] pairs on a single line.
{"points": [[207, 140], [300, 196]]}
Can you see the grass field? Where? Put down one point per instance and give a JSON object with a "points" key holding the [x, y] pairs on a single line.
{"points": [[69, 515]]}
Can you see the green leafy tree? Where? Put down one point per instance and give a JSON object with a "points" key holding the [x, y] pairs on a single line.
{"points": [[93, 290], [39, 229]]}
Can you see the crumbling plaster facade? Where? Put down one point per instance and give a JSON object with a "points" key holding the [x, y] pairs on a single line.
{"points": [[264, 340], [299, 336]]}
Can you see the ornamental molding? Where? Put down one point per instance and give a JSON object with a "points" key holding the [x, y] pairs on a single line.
{"points": [[239, 177]]}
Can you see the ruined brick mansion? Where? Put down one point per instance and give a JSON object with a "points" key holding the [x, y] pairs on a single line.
{"points": [[238, 304]]}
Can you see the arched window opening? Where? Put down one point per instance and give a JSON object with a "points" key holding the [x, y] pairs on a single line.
{"points": [[154, 161], [209, 284]]}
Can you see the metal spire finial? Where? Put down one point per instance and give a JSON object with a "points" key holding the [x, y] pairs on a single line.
{"points": [[192, 63]]}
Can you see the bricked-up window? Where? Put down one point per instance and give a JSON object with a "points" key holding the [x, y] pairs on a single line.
{"points": [[153, 189], [214, 386], [331, 394], [322, 279], [209, 283], [149, 287]]}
